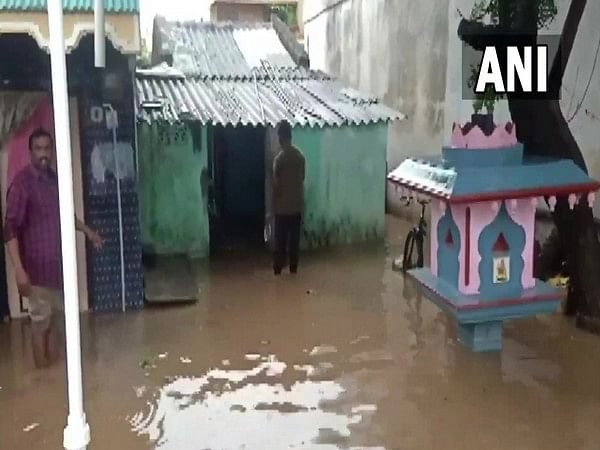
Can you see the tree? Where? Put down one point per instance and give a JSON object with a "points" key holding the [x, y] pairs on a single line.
{"points": [[544, 131], [143, 59], [287, 13]]}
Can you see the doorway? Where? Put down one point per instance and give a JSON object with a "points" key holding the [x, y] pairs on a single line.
{"points": [[15, 156], [239, 188]]}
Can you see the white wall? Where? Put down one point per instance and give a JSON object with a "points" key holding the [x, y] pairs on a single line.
{"points": [[172, 10], [395, 50], [408, 53]]}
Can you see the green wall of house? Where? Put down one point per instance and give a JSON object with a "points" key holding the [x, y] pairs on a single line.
{"points": [[345, 183], [344, 186], [173, 179]]}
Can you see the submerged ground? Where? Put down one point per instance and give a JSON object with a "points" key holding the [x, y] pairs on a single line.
{"points": [[343, 355]]}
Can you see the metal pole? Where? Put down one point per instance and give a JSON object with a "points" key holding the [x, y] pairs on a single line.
{"points": [[112, 123], [77, 431], [99, 34]]}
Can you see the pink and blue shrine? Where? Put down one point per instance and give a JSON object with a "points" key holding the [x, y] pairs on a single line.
{"points": [[483, 195]]}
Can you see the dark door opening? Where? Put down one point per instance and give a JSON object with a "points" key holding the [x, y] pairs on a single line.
{"points": [[239, 187]]}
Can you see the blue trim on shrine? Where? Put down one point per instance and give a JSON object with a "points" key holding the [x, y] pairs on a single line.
{"points": [[472, 308], [488, 157], [515, 237], [445, 180], [479, 321], [448, 253]]}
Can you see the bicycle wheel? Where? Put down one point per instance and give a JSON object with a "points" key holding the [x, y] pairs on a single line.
{"points": [[409, 244]]}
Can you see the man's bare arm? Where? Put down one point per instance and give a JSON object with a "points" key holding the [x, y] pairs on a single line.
{"points": [[21, 276], [15, 255], [80, 226], [92, 236]]}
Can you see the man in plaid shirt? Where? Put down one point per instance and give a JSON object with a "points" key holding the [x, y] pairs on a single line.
{"points": [[32, 235]]}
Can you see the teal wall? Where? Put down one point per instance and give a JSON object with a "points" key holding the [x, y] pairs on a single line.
{"points": [[345, 183], [173, 180]]}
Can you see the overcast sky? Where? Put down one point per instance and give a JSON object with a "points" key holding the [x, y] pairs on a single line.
{"points": [[172, 9]]}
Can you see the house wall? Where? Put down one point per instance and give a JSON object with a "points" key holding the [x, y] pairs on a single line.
{"points": [[174, 203], [30, 71], [408, 53], [99, 176], [223, 12], [344, 186], [16, 309], [122, 29], [395, 50]]}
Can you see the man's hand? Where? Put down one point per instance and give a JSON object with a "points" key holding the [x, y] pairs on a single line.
{"points": [[23, 283], [95, 239]]}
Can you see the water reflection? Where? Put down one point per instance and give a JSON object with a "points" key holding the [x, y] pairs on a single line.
{"points": [[227, 409]]}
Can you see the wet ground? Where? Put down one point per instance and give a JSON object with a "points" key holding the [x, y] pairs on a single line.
{"points": [[343, 355]]}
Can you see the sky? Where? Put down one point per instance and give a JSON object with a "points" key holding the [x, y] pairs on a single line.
{"points": [[171, 9]]}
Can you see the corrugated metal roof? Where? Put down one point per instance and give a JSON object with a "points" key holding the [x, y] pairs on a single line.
{"points": [[225, 50], [528, 177], [305, 102], [113, 6]]}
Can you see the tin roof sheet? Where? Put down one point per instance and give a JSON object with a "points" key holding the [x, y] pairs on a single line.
{"points": [[305, 102], [225, 50], [533, 177]]}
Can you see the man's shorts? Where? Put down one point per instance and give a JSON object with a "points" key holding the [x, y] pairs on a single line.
{"points": [[43, 304]]}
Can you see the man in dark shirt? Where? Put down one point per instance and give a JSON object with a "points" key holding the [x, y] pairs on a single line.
{"points": [[288, 200], [32, 235]]}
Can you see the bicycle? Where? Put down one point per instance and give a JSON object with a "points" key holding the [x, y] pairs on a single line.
{"points": [[415, 236]]}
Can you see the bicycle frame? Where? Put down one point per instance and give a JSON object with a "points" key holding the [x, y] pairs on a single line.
{"points": [[415, 236]]}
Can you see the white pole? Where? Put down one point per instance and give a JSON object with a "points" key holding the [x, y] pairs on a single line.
{"points": [[112, 123], [77, 431], [99, 34]]}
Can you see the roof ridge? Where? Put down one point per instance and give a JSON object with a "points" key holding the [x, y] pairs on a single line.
{"points": [[230, 102], [236, 25]]}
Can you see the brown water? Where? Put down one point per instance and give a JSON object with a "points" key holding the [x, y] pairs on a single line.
{"points": [[344, 355]]}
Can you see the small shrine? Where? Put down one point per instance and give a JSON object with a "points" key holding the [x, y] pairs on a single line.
{"points": [[483, 195]]}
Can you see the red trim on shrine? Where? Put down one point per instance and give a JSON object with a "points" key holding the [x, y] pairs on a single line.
{"points": [[449, 239], [501, 246]]}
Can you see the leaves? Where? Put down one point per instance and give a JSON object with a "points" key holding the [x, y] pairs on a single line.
{"points": [[489, 11], [486, 100]]}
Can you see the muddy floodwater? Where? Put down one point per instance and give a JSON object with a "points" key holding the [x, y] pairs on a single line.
{"points": [[344, 355]]}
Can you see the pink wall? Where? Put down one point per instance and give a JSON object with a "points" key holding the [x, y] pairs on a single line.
{"points": [[437, 211], [459, 215], [18, 146], [482, 214], [523, 213]]}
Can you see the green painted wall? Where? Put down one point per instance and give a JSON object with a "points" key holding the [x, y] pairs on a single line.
{"points": [[173, 180], [345, 183]]}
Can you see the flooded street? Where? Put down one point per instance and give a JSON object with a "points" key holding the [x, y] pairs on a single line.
{"points": [[342, 355]]}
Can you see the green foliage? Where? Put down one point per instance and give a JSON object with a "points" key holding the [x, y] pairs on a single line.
{"points": [[144, 57], [486, 100], [489, 11], [287, 13]]}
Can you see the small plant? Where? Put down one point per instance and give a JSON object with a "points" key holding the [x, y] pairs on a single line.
{"points": [[486, 100], [488, 11]]}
